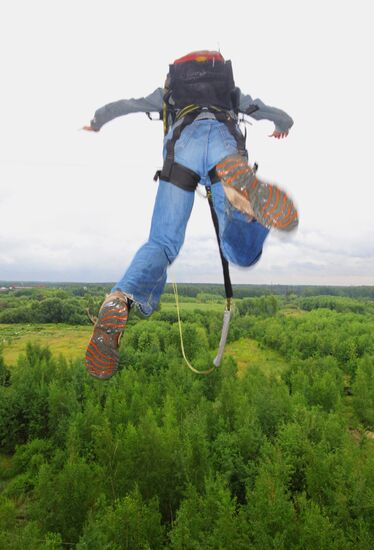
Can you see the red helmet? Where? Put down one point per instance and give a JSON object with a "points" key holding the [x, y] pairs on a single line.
{"points": [[201, 55]]}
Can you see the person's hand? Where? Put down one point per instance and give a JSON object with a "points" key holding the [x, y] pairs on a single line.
{"points": [[277, 134], [89, 129]]}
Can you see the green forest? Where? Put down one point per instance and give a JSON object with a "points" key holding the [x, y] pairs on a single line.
{"points": [[273, 450]]}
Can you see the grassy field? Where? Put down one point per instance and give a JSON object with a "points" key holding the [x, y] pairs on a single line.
{"points": [[72, 340], [67, 339], [247, 354], [192, 306]]}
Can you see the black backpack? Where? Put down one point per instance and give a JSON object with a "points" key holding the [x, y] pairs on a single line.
{"points": [[203, 83]]}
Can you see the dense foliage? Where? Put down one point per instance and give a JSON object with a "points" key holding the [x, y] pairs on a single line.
{"points": [[158, 457], [70, 303]]}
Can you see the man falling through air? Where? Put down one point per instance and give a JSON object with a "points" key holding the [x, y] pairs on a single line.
{"points": [[203, 144]]}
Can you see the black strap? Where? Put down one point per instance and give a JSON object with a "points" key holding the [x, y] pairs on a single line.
{"points": [[181, 176], [169, 160], [225, 264], [251, 109]]}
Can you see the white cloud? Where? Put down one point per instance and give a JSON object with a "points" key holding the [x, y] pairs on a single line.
{"points": [[76, 206]]}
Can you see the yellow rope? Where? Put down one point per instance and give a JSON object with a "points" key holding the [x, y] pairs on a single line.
{"points": [[208, 371], [188, 109]]}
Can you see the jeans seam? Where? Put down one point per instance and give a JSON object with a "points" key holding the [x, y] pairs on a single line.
{"points": [[148, 302], [229, 143], [206, 149]]}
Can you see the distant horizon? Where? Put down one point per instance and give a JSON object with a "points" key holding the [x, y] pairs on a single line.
{"points": [[10, 282]]}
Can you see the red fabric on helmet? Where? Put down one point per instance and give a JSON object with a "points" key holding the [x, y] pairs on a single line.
{"points": [[202, 55]]}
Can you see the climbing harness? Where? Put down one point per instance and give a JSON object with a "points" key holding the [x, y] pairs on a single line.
{"points": [[201, 85]]}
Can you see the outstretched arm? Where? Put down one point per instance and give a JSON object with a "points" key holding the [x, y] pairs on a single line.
{"points": [[150, 103], [282, 120]]}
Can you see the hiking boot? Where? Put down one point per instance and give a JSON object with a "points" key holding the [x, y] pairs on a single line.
{"points": [[102, 355], [271, 206]]}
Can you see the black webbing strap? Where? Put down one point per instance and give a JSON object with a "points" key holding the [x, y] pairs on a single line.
{"points": [[181, 176], [169, 159], [225, 264], [251, 109]]}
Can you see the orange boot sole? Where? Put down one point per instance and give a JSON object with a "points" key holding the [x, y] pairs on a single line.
{"points": [[102, 355]]}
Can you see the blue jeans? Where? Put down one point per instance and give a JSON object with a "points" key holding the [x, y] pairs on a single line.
{"points": [[202, 145]]}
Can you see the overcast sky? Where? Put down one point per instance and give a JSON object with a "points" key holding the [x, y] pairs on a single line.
{"points": [[75, 206]]}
